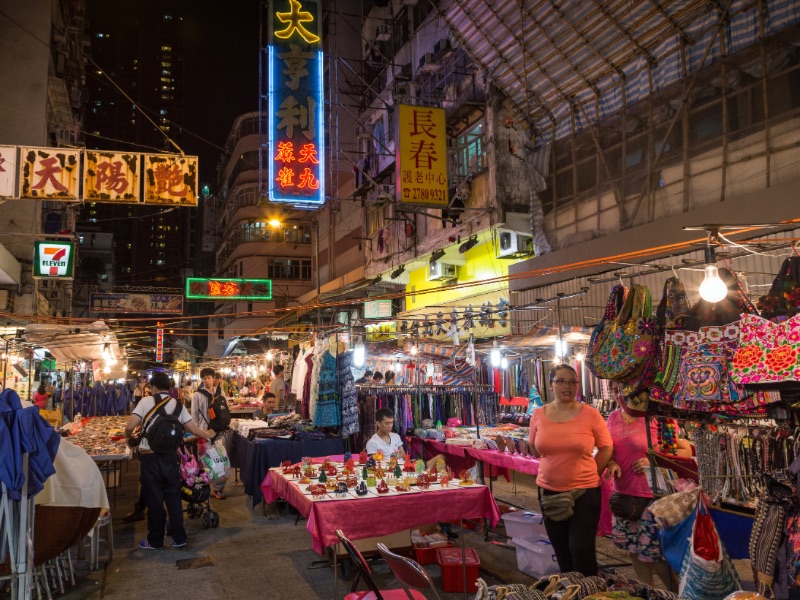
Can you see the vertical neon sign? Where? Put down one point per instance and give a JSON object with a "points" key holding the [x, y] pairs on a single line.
{"points": [[160, 342], [296, 106]]}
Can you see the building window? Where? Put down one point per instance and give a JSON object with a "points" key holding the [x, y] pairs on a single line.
{"points": [[298, 234], [288, 268], [376, 218], [470, 150]]}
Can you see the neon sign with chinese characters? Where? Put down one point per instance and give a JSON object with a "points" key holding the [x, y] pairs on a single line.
{"points": [[160, 342], [296, 107], [199, 288]]}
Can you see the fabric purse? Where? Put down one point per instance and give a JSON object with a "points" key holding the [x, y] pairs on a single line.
{"points": [[768, 352], [702, 578], [615, 302], [673, 509], [783, 298], [629, 508], [628, 342], [560, 507]]}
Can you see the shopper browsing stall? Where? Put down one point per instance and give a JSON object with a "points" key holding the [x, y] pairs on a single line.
{"points": [[385, 440], [634, 525], [160, 474], [210, 409], [278, 386], [563, 436]]}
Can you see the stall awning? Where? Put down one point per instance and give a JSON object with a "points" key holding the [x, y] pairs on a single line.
{"points": [[547, 336], [72, 343], [245, 347]]}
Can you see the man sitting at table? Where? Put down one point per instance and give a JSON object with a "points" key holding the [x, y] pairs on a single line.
{"points": [[385, 440]]}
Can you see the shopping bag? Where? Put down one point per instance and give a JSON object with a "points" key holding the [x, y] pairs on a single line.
{"points": [[215, 461], [671, 510], [706, 540], [675, 541]]}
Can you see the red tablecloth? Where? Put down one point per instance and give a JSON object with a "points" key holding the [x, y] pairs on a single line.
{"points": [[514, 462], [361, 518]]}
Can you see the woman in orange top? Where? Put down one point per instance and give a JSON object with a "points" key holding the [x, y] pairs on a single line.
{"points": [[564, 434]]}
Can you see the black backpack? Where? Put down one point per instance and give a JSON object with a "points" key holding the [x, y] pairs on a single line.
{"points": [[219, 415], [162, 430]]}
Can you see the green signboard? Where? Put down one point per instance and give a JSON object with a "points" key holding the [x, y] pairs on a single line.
{"points": [[53, 260], [215, 288]]}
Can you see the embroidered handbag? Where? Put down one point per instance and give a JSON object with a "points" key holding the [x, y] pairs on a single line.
{"points": [[783, 298], [629, 340], [615, 302], [671, 510], [768, 352]]}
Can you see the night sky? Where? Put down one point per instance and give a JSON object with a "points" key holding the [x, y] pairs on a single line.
{"points": [[220, 62]]}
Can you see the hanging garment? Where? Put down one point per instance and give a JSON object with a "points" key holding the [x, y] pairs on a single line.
{"points": [[305, 407], [349, 395], [319, 349], [328, 411]]}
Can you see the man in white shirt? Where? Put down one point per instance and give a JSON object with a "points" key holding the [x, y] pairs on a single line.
{"points": [[278, 387], [385, 440], [160, 473]]}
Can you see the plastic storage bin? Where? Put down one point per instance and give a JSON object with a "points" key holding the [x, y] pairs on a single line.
{"points": [[449, 560], [427, 556], [521, 524], [535, 556]]}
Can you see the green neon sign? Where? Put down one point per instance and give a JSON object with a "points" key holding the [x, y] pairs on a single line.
{"points": [[216, 288]]}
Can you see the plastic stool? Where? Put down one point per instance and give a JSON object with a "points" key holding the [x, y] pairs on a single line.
{"points": [[94, 541]]}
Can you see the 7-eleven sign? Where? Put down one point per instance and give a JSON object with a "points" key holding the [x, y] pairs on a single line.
{"points": [[54, 260]]}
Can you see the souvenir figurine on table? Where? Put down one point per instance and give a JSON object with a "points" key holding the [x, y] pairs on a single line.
{"points": [[419, 466], [318, 491], [408, 466], [392, 481], [371, 462], [330, 485], [330, 469], [350, 465], [327, 462], [398, 472], [309, 471], [286, 463], [364, 473], [379, 474], [323, 477], [306, 460], [305, 480], [296, 471], [409, 480], [466, 478], [361, 489], [362, 458], [347, 456], [352, 481], [401, 488], [341, 489], [444, 479], [393, 462], [422, 481], [371, 481], [378, 455], [382, 487]]}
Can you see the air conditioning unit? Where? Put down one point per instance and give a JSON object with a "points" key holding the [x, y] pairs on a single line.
{"points": [[442, 47], [402, 90], [427, 64], [382, 192], [382, 33], [513, 245], [440, 271]]}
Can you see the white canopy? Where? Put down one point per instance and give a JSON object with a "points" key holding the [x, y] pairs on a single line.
{"points": [[69, 343]]}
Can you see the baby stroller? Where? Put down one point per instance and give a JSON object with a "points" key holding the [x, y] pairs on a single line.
{"points": [[195, 489]]}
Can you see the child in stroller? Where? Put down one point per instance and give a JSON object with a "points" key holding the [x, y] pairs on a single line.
{"points": [[195, 489]]}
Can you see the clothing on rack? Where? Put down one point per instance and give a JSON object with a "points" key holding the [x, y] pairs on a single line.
{"points": [[329, 409], [349, 397]]}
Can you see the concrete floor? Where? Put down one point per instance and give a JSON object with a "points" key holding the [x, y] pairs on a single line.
{"points": [[249, 556]]}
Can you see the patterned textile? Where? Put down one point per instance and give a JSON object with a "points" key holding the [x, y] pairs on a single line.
{"points": [[349, 394], [368, 419], [306, 400], [329, 410], [319, 349], [638, 537], [768, 352]]}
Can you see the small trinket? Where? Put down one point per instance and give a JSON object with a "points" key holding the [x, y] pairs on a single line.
{"points": [[382, 487], [361, 489]]}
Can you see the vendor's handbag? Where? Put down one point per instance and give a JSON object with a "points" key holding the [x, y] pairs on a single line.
{"points": [[560, 507], [629, 341], [615, 302], [702, 578], [215, 461], [673, 509], [768, 352], [627, 507], [783, 298]]}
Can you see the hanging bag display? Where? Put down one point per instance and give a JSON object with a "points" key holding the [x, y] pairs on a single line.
{"points": [[615, 302], [671, 313], [783, 298], [628, 342], [768, 352]]}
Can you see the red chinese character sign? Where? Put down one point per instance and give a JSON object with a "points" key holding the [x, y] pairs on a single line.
{"points": [[8, 171], [111, 177], [421, 156], [200, 288], [296, 108], [170, 179], [160, 342], [49, 173]]}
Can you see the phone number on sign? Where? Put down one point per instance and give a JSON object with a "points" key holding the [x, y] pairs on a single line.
{"points": [[425, 194]]}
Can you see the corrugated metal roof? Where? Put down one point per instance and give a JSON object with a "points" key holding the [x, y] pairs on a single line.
{"points": [[565, 61]]}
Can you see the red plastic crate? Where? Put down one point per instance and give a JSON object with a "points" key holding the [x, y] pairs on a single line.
{"points": [[449, 560], [427, 556]]}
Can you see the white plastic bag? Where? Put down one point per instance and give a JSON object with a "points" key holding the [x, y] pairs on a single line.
{"points": [[215, 461]]}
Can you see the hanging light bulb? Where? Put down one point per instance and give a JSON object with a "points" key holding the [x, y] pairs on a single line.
{"points": [[359, 355], [106, 369], [494, 356], [713, 289], [561, 348], [125, 367], [413, 350], [579, 356], [269, 355], [396, 367], [504, 363]]}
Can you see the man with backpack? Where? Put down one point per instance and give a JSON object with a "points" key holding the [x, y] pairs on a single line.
{"points": [[210, 409], [162, 420]]}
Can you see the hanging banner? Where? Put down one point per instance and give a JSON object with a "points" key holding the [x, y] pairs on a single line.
{"points": [[49, 173], [296, 106], [53, 260], [8, 171], [199, 288], [421, 156], [170, 179], [162, 304], [111, 177]]}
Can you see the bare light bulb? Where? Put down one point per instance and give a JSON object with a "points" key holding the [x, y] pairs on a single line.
{"points": [[713, 289], [269, 355], [413, 350], [504, 363], [494, 357], [359, 355]]}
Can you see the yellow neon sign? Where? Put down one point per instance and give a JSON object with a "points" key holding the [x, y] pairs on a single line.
{"points": [[295, 19]]}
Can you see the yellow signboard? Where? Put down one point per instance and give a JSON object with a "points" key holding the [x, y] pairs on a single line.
{"points": [[111, 176], [49, 173], [170, 179], [421, 156]]}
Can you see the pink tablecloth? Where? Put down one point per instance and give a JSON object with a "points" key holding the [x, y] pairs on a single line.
{"points": [[361, 518], [514, 462]]}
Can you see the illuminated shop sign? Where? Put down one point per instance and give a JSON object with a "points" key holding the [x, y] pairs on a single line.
{"points": [[160, 343], [198, 288], [421, 161], [53, 260], [296, 107]]}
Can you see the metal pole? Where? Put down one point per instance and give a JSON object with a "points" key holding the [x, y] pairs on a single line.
{"points": [[5, 365], [316, 260], [560, 333], [30, 376]]}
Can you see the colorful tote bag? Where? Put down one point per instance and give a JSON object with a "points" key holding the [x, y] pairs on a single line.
{"points": [[768, 353], [628, 341], [783, 298], [615, 302]]}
